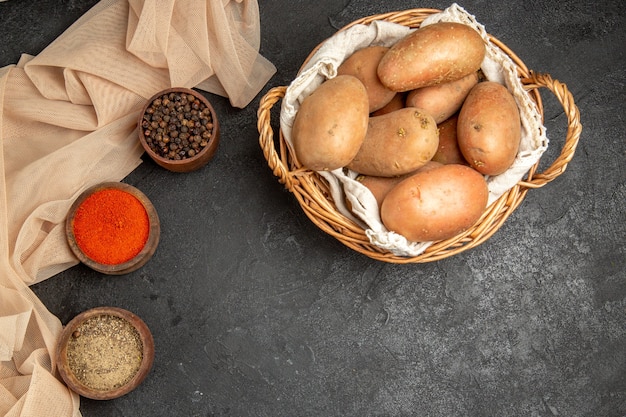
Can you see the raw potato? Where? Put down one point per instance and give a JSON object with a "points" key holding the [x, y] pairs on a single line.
{"points": [[433, 54], [437, 204], [363, 64], [331, 124], [443, 100], [396, 103], [489, 128], [380, 186], [397, 143], [448, 151]]}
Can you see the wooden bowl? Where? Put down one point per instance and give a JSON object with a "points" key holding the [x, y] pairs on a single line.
{"points": [[125, 266], [147, 134], [104, 353]]}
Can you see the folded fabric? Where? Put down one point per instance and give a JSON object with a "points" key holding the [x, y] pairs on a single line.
{"points": [[68, 121]]}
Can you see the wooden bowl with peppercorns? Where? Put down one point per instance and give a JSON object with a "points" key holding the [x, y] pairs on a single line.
{"points": [[104, 353], [113, 228], [178, 128]]}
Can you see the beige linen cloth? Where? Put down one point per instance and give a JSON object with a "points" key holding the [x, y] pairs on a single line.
{"points": [[67, 121]]}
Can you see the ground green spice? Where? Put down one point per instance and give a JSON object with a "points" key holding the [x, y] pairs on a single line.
{"points": [[105, 352]]}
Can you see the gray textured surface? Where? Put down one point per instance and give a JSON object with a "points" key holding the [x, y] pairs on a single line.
{"points": [[256, 312]]}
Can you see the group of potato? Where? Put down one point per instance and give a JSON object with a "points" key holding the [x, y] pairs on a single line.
{"points": [[419, 124]]}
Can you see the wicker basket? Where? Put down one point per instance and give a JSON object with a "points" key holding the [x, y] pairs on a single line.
{"points": [[312, 191]]}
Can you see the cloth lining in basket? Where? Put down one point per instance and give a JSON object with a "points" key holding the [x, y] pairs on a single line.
{"points": [[497, 66]]}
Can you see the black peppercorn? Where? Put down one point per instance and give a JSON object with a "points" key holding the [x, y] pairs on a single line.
{"points": [[177, 126]]}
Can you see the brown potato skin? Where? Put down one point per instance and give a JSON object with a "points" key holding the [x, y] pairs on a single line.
{"points": [[331, 124], [489, 128], [437, 204], [442, 100], [380, 186], [448, 151], [363, 65], [433, 54], [397, 143], [396, 103]]}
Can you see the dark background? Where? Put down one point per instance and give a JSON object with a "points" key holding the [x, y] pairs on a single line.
{"points": [[257, 312]]}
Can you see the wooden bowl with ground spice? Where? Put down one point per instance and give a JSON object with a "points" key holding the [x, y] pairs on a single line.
{"points": [[113, 228], [178, 128], [104, 353]]}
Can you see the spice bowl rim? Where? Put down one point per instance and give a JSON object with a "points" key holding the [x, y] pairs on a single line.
{"points": [[138, 260], [68, 376], [188, 164]]}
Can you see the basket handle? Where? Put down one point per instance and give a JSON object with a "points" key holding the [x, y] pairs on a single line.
{"points": [[574, 128], [266, 136]]}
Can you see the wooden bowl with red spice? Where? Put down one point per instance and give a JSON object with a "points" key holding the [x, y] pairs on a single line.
{"points": [[178, 128], [104, 353], [113, 228]]}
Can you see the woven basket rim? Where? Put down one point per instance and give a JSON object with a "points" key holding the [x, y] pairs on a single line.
{"points": [[311, 190]]}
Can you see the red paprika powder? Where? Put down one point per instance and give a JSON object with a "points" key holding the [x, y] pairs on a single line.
{"points": [[111, 226]]}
